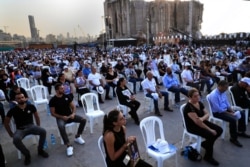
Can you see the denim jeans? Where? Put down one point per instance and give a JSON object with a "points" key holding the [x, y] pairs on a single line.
{"points": [[233, 123], [61, 126], [177, 91], [28, 130]]}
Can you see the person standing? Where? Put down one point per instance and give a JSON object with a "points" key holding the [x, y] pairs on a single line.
{"points": [[64, 110], [23, 114]]}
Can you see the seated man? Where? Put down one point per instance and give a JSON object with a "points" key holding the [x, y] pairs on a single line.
{"points": [[222, 110], [132, 76], [240, 91], [172, 84], [64, 110], [96, 80], [23, 117], [15, 90], [153, 91]]}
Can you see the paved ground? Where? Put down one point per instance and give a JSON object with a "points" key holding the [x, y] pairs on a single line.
{"points": [[88, 155]]}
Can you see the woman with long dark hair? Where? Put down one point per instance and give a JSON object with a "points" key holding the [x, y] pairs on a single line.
{"points": [[127, 98], [115, 142]]}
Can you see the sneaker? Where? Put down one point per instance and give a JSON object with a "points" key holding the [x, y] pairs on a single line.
{"points": [[43, 153], [69, 151], [79, 140]]}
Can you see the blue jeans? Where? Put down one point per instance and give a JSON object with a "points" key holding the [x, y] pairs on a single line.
{"points": [[177, 91], [165, 94], [233, 123], [61, 126], [27, 130]]}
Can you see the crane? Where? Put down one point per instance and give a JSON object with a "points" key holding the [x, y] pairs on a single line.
{"points": [[5, 28]]}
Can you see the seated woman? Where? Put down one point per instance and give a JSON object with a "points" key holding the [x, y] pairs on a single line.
{"points": [[80, 84], [112, 78], [127, 98], [115, 142], [196, 119]]}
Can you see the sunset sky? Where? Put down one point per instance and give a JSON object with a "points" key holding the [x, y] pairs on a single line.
{"points": [[62, 16]]}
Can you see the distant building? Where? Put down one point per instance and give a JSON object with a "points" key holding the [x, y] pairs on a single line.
{"points": [[33, 29], [152, 20]]}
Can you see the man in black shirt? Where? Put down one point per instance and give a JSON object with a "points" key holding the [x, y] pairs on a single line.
{"points": [[64, 110], [15, 90], [23, 117]]}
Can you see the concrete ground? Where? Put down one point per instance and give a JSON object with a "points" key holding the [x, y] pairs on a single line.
{"points": [[88, 155]]}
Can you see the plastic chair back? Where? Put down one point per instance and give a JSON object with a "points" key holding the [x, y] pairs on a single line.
{"points": [[102, 150]]}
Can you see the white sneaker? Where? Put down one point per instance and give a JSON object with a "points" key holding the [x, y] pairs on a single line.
{"points": [[69, 151], [79, 140]]}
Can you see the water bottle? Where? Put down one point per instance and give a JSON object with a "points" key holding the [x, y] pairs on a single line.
{"points": [[45, 145], [52, 139], [48, 110]]}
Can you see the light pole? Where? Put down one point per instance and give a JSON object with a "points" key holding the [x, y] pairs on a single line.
{"points": [[148, 20]]}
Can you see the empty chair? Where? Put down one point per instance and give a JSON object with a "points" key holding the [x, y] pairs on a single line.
{"points": [[186, 133], [213, 119], [149, 133], [39, 94], [24, 83], [90, 100], [102, 150]]}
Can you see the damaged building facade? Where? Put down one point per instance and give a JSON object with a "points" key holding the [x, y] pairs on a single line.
{"points": [[152, 21]]}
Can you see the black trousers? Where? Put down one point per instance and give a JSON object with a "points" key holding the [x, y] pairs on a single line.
{"points": [[208, 144], [2, 159], [133, 105]]}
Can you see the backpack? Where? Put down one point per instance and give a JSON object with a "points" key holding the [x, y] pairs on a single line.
{"points": [[191, 153]]}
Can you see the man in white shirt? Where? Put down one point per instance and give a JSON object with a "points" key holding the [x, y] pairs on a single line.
{"points": [[95, 80], [153, 91]]}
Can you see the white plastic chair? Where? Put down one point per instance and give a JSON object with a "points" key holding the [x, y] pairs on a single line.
{"points": [[24, 83], [190, 135], [121, 107], [89, 101], [148, 102], [2, 97], [214, 119], [235, 107], [102, 150], [71, 126], [39, 94], [148, 129]]}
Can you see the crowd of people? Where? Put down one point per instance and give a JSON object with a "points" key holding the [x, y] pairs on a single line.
{"points": [[160, 71]]}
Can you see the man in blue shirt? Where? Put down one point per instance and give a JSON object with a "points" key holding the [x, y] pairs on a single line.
{"points": [[222, 110], [171, 82]]}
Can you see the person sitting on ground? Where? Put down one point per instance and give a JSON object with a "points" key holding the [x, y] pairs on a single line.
{"points": [[152, 91], [196, 119], [64, 110], [23, 116], [221, 109], [115, 142], [127, 98], [172, 84], [95, 80]]}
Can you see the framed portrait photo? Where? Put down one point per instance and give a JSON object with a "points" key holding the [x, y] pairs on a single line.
{"points": [[133, 153]]}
